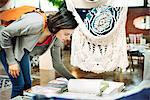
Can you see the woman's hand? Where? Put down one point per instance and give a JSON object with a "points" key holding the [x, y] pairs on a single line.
{"points": [[14, 70]]}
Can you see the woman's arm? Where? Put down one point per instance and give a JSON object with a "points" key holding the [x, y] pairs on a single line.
{"points": [[57, 61], [28, 24]]}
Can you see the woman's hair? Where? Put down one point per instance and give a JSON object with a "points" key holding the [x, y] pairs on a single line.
{"points": [[3, 3], [61, 20]]}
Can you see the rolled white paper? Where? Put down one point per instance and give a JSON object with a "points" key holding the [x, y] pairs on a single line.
{"points": [[91, 86]]}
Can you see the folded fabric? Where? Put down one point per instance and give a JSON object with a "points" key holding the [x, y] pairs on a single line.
{"points": [[94, 86]]}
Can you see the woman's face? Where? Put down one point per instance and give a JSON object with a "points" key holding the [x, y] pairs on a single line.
{"points": [[64, 34]]}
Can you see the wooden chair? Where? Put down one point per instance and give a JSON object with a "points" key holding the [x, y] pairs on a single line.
{"points": [[136, 55]]}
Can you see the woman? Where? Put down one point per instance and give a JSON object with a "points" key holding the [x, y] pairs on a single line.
{"points": [[28, 31]]}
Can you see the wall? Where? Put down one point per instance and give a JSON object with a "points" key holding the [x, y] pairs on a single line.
{"points": [[134, 12]]}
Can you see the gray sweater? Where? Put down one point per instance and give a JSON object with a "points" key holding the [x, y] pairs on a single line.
{"points": [[27, 31]]}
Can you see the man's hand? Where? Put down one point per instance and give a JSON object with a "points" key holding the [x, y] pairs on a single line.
{"points": [[14, 70]]}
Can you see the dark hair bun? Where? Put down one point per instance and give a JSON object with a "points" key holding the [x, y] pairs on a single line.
{"points": [[61, 20]]}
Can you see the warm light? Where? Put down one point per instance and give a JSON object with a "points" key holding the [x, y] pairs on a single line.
{"points": [[142, 22], [74, 73]]}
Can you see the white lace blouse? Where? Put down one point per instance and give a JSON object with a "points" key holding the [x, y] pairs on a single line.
{"points": [[99, 42]]}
